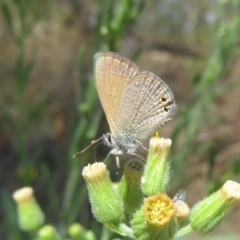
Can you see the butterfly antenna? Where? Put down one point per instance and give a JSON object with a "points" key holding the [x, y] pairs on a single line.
{"points": [[92, 142]]}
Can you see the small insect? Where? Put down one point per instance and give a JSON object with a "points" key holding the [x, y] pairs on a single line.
{"points": [[136, 103], [182, 208], [180, 196]]}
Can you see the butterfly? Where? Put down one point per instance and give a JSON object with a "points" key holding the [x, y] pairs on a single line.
{"points": [[136, 103]]}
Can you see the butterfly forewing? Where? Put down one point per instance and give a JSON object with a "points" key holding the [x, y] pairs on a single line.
{"points": [[147, 104], [112, 74]]}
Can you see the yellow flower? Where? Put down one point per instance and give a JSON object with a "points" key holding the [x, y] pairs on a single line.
{"points": [[159, 210]]}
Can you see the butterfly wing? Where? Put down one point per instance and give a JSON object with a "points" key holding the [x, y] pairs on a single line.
{"points": [[112, 74], [147, 104]]}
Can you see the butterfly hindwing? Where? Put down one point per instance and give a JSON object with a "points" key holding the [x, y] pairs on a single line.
{"points": [[147, 104]]}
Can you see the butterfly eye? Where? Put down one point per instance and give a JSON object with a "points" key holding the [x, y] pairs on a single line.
{"points": [[109, 138]]}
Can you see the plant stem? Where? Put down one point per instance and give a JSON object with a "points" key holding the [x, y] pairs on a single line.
{"points": [[183, 231]]}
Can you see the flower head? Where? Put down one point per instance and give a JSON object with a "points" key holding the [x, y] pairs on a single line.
{"points": [[159, 210], [157, 169], [30, 216]]}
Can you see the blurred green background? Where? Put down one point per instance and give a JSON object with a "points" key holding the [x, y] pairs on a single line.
{"points": [[49, 108]]}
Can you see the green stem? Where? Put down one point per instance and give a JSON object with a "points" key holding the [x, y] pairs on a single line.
{"points": [[122, 229], [184, 231], [127, 230]]}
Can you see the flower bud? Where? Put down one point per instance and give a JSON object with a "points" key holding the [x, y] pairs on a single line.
{"points": [[30, 216], [106, 203], [76, 231], [129, 187], [156, 174], [48, 232], [89, 235], [208, 213]]}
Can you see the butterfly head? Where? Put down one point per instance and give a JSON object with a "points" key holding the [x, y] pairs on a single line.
{"points": [[121, 144], [110, 141]]}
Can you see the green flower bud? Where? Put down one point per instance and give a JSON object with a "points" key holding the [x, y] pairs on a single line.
{"points": [[48, 232], [76, 231], [156, 174], [155, 219], [30, 216], [208, 213], [129, 187], [89, 235], [106, 203]]}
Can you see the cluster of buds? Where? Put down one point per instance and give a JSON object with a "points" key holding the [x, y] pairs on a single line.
{"points": [[141, 209], [31, 219], [30, 216]]}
